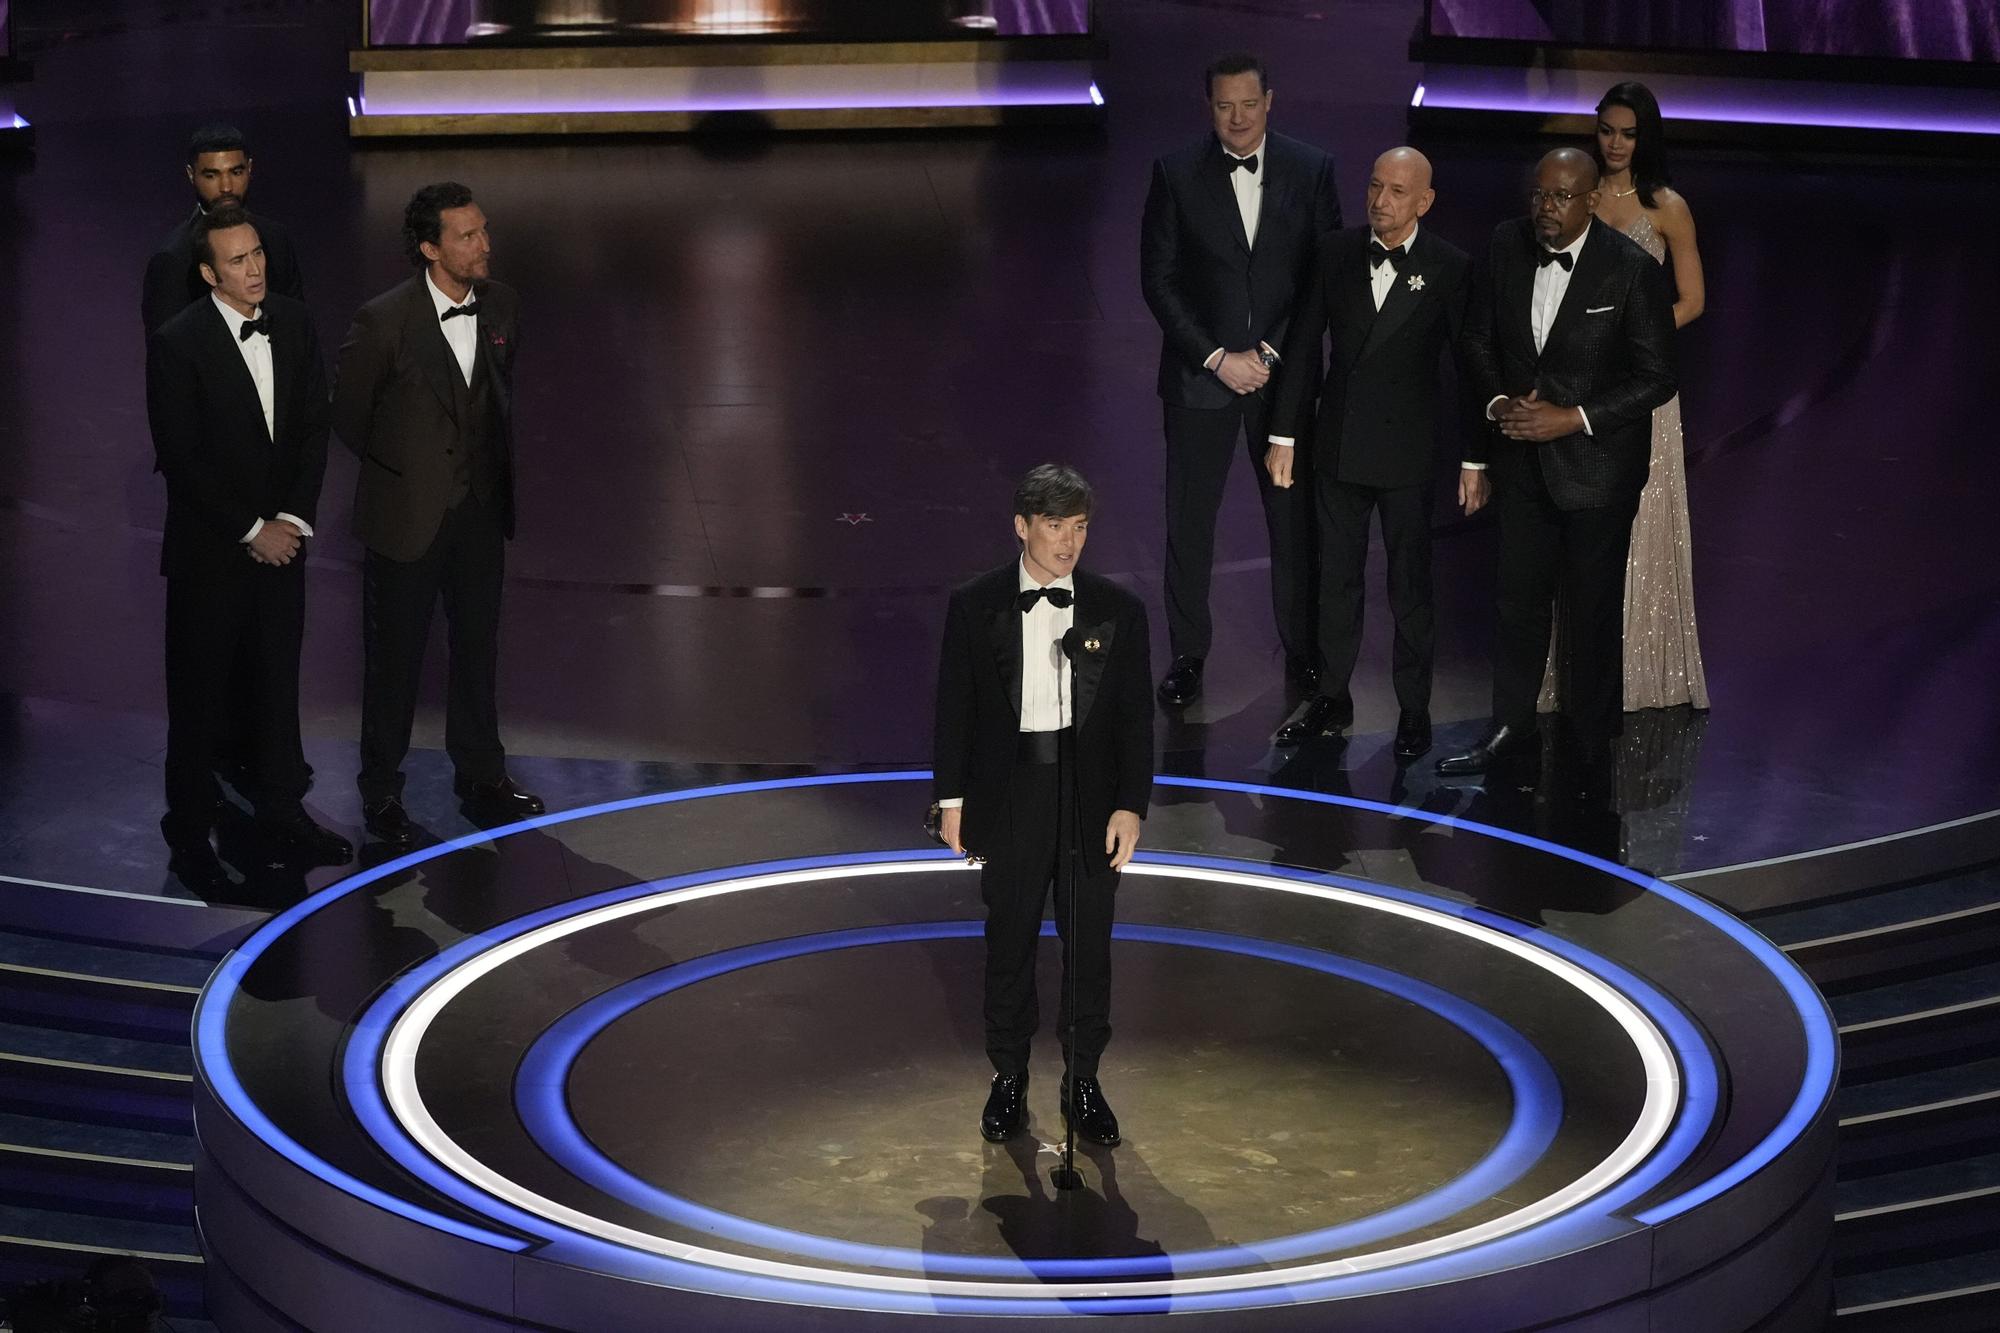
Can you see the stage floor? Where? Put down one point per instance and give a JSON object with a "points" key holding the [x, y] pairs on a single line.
{"points": [[716, 1056]]}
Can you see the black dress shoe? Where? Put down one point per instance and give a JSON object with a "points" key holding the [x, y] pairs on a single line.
{"points": [[1091, 1114], [500, 800], [1182, 682], [1500, 743], [1413, 734], [1303, 673], [196, 865], [1323, 717], [1006, 1112], [297, 832], [387, 821]]}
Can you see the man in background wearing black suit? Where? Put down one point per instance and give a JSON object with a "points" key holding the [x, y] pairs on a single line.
{"points": [[1044, 744], [236, 395], [218, 166], [1569, 340], [1393, 297], [424, 397], [1225, 249]]}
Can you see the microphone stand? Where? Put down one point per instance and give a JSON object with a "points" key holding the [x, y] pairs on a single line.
{"points": [[1065, 1176]]}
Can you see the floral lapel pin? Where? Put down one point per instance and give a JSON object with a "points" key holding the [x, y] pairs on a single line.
{"points": [[1093, 645], [1416, 282]]}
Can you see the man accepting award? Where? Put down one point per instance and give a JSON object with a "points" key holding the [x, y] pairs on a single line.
{"points": [[1044, 755]]}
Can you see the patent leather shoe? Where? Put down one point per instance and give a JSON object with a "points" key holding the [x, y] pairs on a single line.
{"points": [[1322, 717], [1413, 734], [387, 821], [499, 801], [1182, 682], [1090, 1114], [1006, 1112], [1502, 742], [196, 866], [297, 832]]}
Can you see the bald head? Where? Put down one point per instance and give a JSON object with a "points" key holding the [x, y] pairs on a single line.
{"points": [[1565, 193], [1399, 192]]}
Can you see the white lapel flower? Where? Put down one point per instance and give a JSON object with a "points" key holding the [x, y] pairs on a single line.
{"points": [[1416, 282]]}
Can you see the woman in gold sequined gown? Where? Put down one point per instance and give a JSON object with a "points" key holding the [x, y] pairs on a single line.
{"points": [[1662, 651]]}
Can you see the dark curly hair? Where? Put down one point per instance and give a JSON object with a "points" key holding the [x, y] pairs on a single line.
{"points": [[423, 217], [1055, 490]]}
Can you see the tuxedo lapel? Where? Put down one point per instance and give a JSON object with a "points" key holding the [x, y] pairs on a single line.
{"points": [[1401, 301], [284, 378], [425, 338], [1095, 625], [1003, 632], [1518, 296], [1351, 295], [1276, 181], [1215, 172], [1591, 266], [486, 357], [236, 373]]}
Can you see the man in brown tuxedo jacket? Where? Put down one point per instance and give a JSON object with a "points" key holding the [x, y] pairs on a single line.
{"points": [[424, 397]]}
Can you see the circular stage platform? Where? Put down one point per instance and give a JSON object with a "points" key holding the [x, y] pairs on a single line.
{"points": [[713, 1059]]}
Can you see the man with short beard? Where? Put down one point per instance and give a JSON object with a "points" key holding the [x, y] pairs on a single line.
{"points": [[219, 167], [424, 397]]}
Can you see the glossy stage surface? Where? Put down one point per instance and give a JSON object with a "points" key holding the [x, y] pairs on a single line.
{"points": [[715, 1056]]}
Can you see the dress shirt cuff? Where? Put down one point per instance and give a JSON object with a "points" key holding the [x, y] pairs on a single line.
{"points": [[1212, 360], [1282, 441], [1473, 467], [1586, 421], [951, 803], [1498, 398], [305, 528], [251, 535]]}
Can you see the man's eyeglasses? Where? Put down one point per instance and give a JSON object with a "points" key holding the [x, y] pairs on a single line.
{"points": [[1560, 198]]}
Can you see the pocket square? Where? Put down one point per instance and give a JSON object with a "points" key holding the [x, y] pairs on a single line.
{"points": [[1599, 309]]}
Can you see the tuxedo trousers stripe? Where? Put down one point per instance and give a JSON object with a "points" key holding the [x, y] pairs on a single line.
{"points": [[1015, 885], [1574, 557], [1201, 444], [1345, 511], [463, 568], [215, 620]]}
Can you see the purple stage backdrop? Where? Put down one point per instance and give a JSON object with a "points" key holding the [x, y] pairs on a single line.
{"points": [[6, 37], [453, 22], [1894, 29]]}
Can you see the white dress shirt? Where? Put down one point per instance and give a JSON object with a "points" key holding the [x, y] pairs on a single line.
{"points": [[1045, 688], [1045, 675], [256, 353], [1381, 277], [1248, 187], [1551, 282], [460, 331]]}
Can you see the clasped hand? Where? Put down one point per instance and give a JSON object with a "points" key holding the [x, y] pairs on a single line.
{"points": [[1537, 422], [1243, 372], [276, 543]]}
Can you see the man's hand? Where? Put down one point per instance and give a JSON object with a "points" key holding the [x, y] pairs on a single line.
{"points": [[1473, 489], [1535, 421], [1121, 837], [1243, 372], [275, 544], [1278, 462], [949, 820]]}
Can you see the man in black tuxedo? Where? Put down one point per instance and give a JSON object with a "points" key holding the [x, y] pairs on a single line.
{"points": [[1044, 738], [1570, 341], [1224, 252], [236, 396], [424, 397], [1392, 295], [219, 167]]}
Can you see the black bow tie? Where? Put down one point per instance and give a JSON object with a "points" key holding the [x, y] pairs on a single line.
{"points": [[1378, 255], [261, 325], [469, 308], [1548, 257], [1248, 164], [1058, 598]]}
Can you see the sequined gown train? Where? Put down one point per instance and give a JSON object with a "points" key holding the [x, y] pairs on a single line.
{"points": [[1662, 653]]}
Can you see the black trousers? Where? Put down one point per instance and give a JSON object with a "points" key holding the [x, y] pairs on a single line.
{"points": [[464, 568], [1200, 445], [216, 620], [1576, 557], [1015, 886], [1344, 512]]}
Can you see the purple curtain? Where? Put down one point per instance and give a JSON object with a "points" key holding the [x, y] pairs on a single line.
{"points": [[1916, 29], [418, 22]]}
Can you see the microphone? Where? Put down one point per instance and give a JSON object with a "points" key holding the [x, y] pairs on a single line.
{"points": [[1072, 642]]}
